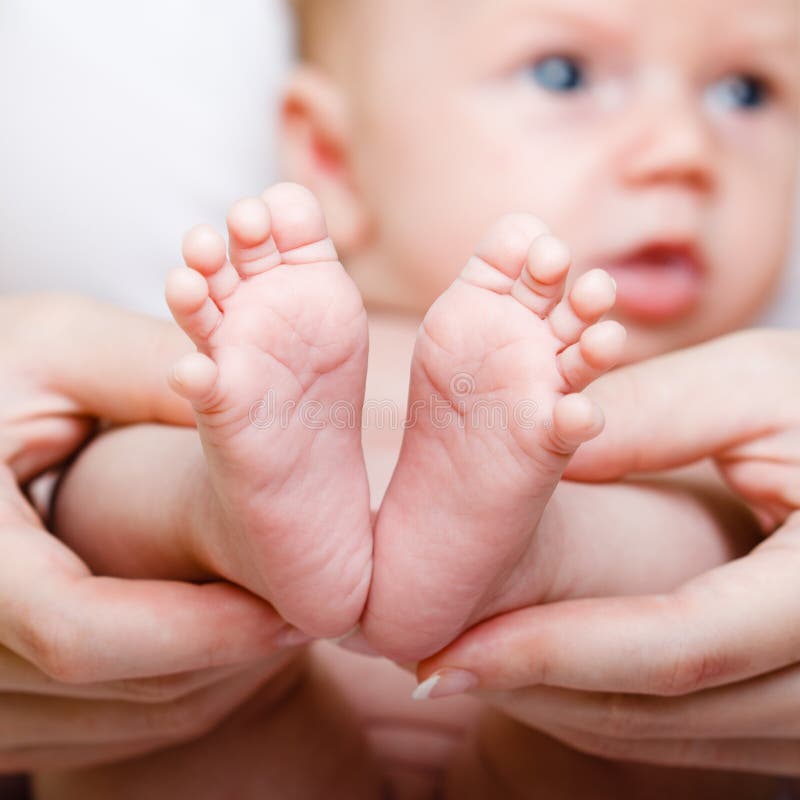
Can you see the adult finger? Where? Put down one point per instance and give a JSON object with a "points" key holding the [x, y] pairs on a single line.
{"points": [[733, 623], [77, 628], [17, 675], [665, 412], [766, 473], [99, 629], [125, 377], [776, 757], [30, 720], [767, 707]]}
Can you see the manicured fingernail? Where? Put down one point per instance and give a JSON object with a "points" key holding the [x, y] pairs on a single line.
{"points": [[292, 637], [445, 683]]}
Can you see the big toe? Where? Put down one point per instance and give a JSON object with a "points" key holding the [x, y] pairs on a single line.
{"points": [[298, 224], [502, 253]]}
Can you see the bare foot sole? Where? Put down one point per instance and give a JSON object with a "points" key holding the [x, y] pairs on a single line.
{"points": [[494, 417], [277, 386]]}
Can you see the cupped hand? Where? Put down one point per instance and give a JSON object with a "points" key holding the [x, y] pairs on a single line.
{"points": [[96, 669], [66, 361], [709, 675], [735, 399]]}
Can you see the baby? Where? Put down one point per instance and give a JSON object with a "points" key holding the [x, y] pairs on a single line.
{"points": [[664, 158]]}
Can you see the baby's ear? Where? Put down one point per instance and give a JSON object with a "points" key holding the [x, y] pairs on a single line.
{"points": [[316, 152]]}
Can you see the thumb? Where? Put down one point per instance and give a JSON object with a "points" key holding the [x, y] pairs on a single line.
{"points": [[114, 364]]}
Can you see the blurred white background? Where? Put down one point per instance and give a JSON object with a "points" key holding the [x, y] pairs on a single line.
{"points": [[123, 124]]}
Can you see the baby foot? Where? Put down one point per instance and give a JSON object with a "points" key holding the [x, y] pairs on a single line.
{"points": [[494, 417], [277, 387]]}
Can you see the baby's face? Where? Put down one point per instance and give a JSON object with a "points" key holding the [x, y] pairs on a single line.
{"points": [[658, 138]]}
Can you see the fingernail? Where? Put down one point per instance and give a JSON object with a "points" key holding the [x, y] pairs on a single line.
{"points": [[445, 683], [292, 637]]}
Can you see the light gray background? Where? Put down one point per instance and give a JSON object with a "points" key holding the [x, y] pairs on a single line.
{"points": [[123, 124]]}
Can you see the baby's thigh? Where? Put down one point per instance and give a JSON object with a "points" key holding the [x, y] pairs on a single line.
{"points": [[506, 759], [302, 742]]}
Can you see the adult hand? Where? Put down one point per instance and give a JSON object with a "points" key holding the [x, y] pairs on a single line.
{"points": [[96, 669], [66, 360], [708, 676], [736, 399]]}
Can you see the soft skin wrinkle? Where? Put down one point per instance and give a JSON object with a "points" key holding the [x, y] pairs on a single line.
{"points": [[448, 140]]}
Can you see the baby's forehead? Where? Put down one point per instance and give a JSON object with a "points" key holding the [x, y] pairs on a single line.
{"points": [[622, 16], [448, 35]]}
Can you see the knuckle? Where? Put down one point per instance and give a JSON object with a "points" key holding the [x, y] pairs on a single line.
{"points": [[51, 645], [687, 673], [693, 662]]}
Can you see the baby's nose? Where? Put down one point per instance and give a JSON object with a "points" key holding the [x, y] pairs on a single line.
{"points": [[666, 136]]}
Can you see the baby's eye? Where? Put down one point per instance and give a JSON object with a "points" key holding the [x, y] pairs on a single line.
{"points": [[558, 74], [739, 91]]}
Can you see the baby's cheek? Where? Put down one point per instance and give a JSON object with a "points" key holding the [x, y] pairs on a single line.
{"points": [[752, 248]]}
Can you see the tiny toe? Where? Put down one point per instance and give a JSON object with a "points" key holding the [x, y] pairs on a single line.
{"points": [[190, 304], [591, 297], [251, 244], [541, 283], [204, 251], [576, 419], [194, 378], [298, 225], [500, 257], [600, 348]]}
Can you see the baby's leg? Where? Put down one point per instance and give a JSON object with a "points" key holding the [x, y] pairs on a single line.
{"points": [[494, 416], [137, 503]]}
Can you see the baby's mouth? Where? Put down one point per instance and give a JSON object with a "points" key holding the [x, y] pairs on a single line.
{"points": [[657, 282]]}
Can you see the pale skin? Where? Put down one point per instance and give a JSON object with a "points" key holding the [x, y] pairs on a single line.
{"points": [[668, 511], [679, 679], [556, 564], [277, 314], [66, 704], [710, 175]]}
